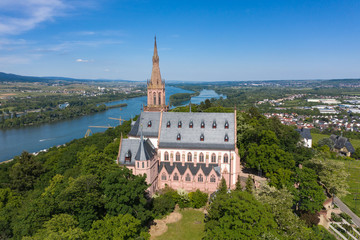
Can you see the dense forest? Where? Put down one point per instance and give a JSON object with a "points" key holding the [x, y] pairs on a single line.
{"points": [[77, 191]]}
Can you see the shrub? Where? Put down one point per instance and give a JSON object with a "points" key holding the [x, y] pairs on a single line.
{"points": [[184, 200], [163, 205], [346, 227], [323, 233], [335, 217], [346, 217], [311, 219], [198, 199]]}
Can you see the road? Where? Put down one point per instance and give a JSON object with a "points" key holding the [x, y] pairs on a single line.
{"points": [[346, 210]]}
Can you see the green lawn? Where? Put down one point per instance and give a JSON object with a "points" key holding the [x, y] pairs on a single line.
{"points": [[354, 186], [353, 167], [191, 226], [317, 136]]}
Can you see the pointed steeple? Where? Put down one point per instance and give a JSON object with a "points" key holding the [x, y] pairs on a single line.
{"points": [[155, 75], [155, 56], [155, 86]]}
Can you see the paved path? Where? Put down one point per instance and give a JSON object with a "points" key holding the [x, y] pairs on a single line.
{"points": [[346, 210]]}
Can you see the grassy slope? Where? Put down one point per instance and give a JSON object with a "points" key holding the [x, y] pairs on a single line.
{"points": [[354, 186], [354, 178], [191, 226]]}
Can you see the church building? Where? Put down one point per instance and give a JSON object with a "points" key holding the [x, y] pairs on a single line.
{"points": [[187, 150]]}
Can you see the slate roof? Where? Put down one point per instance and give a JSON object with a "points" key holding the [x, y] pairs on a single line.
{"points": [[190, 137], [138, 151], [143, 121], [340, 142], [194, 170], [304, 133]]}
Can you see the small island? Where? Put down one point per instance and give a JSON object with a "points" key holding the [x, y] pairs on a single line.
{"points": [[180, 98]]}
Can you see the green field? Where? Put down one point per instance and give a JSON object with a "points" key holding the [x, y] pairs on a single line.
{"points": [[317, 136], [352, 200], [353, 167], [191, 226]]}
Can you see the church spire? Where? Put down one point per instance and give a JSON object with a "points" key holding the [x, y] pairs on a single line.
{"points": [[155, 75], [156, 56], [155, 86]]}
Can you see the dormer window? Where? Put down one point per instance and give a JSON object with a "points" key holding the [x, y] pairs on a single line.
{"points": [[179, 124], [214, 124], [128, 156], [149, 123], [202, 138], [168, 124], [202, 125], [226, 138], [191, 124], [226, 125], [178, 137]]}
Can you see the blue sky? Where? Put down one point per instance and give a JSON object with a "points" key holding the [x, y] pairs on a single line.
{"points": [[197, 40]]}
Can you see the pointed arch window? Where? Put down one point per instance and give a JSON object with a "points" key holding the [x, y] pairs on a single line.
{"points": [[163, 176], [188, 178], [177, 157], [201, 157], [179, 124], [213, 158], [168, 124], [191, 124], [159, 98], [189, 157], [226, 138], [142, 165], [176, 177], [202, 138], [212, 178], [154, 94], [200, 178], [166, 156], [178, 137], [226, 126], [214, 125], [226, 158], [202, 125]]}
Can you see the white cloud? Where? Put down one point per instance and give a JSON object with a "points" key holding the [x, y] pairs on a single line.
{"points": [[82, 60], [13, 59], [86, 33], [69, 46], [20, 16], [13, 44]]}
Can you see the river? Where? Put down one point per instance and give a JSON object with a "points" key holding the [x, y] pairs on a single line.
{"points": [[36, 138]]}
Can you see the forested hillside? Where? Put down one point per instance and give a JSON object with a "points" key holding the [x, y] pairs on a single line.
{"points": [[73, 192], [77, 191]]}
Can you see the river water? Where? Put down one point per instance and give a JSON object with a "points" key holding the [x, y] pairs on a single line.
{"points": [[36, 138]]}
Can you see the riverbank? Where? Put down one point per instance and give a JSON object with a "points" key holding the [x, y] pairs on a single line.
{"points": [[72, 109], [117, 105], [181, 98], [34, 138]]}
